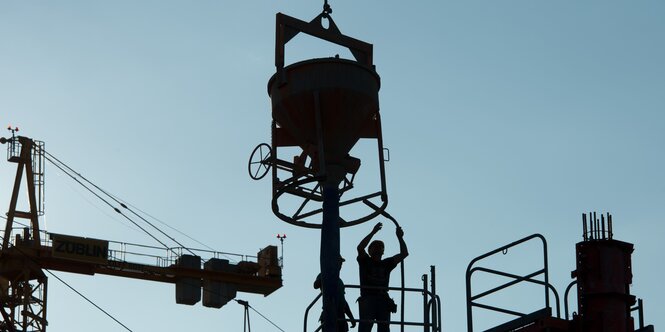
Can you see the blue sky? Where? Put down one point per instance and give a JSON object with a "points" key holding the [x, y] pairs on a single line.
{"points": [[503, 119]]}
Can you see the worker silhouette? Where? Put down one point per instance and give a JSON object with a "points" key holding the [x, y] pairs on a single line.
{"points": [[374, 302], [342, 306]]}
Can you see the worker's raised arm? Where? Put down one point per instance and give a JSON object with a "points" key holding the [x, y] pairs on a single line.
{"points": [[403, 250], [365, 241]]}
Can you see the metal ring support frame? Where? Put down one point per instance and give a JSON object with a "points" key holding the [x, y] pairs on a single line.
{"points": [[295, 184]]}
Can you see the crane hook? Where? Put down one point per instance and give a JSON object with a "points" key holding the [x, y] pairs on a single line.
{"points": [[327, 10]]}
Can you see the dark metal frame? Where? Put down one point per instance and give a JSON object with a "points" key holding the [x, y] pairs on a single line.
{"points": [[30, 160], [304, 181], [25, 296], [26, 301]]}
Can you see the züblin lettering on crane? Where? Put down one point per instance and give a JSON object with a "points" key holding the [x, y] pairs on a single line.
{"points": [[79, 248]]}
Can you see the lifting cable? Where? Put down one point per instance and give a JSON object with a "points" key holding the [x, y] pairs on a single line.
{"points": [[122, 204], [118, 202], [165, 224], [246, 305], [327, 10], [401, 267], [89, 301], [15, 222], [97, 195]]}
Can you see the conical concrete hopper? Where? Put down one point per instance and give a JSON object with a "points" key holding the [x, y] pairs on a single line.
{"points": [[325, 104]]}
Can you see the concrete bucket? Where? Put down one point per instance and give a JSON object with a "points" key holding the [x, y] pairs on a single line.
{"points": [[325, 105]]}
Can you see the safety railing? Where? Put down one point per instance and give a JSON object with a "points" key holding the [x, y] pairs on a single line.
{"points": [[13, 149], [514, 280], [565, 297], [22, 233], [431, 308]]}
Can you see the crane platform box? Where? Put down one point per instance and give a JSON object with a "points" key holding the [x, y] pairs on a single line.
{"points": [[216, 293], [268, 262], [188, 290]]}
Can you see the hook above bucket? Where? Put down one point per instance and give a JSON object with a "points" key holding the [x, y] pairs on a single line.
{"points": [[288, 27]]}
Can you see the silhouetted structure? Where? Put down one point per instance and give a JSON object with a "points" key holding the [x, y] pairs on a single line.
{"points": [[28, 251], [323, 107], [603, 276]]}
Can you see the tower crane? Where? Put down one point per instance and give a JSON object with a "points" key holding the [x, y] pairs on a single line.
{"points": [[28, 251]]}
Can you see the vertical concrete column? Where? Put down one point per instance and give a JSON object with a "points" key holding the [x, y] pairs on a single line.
{"points": [[604, 275]]}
